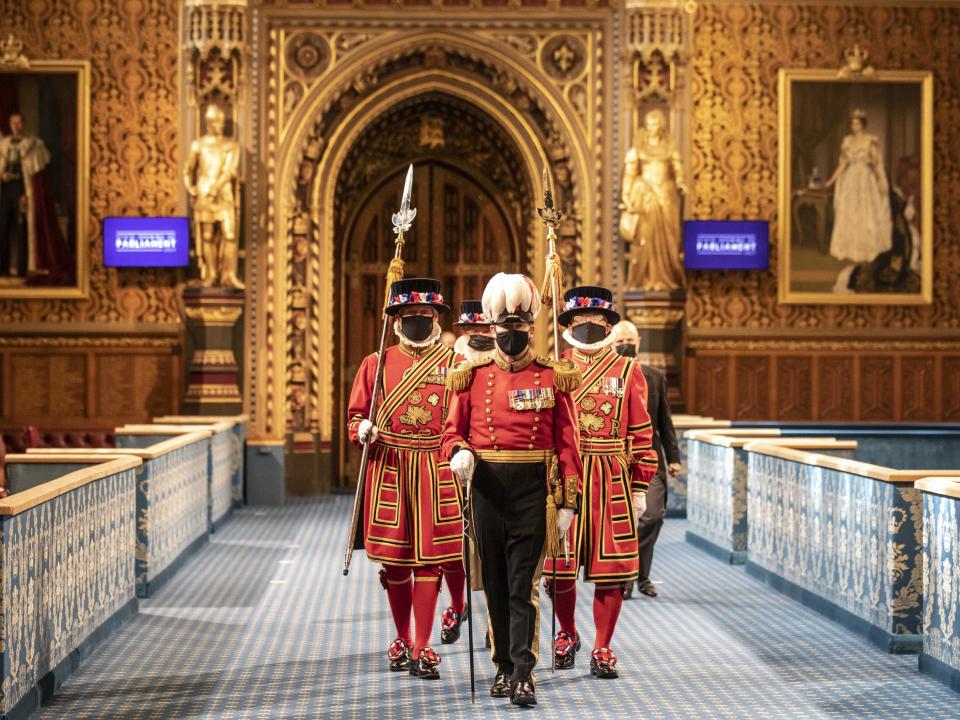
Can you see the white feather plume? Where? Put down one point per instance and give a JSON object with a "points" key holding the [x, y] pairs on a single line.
{"points": [[509, 293]]}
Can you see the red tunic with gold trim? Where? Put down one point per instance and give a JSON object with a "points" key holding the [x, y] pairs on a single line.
{"points": [[412, 513], [516, 407], [616, 440]]}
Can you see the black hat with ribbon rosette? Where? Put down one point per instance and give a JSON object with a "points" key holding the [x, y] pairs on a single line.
{"points": [[471, 313], [588, 299], [416, 292]]}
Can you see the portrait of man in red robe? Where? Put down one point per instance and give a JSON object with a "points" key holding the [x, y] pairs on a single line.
{"points": [[37, 197]]}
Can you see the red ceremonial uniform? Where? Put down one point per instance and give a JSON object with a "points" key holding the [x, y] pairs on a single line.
{"points": [[618, 459], [518, 419], [413, 504], [516, 409]]}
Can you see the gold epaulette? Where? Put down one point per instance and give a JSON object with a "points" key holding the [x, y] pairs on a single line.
{"points": [[566, 375], [460, 375]]}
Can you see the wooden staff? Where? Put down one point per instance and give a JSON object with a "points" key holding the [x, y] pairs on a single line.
{"points": [[401, 223], [552, 282]]}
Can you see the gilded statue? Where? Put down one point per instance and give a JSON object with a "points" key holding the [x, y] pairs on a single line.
{"points": [[210, 176], [650, 210]]}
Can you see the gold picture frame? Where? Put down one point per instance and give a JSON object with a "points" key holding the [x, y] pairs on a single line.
{"points": [[855, 186], [58, 258]]}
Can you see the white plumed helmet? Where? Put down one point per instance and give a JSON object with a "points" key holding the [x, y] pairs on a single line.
{"points": [[511, 298]]}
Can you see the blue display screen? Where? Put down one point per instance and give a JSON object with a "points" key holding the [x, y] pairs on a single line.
{"points": [[146, 242], [726, 245]]}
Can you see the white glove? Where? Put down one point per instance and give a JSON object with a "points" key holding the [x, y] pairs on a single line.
{"points": [[367, 432], [462, 465], [564, 518], [639, 504]]}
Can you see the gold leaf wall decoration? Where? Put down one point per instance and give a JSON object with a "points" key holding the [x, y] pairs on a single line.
{"points": [[132, 48], [738, 50]]}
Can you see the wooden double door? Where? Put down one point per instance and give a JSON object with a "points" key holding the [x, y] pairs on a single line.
{"points": [[461, 236]]}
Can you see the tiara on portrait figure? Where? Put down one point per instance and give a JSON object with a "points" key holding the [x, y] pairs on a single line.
{"points": [[859, 114]]}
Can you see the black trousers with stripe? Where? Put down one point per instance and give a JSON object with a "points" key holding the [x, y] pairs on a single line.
{"points": [[509, 506]]}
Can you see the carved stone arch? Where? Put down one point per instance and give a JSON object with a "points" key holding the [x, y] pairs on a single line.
{"points": [[308, 142], [477, 147], [499, 65], [309, 395], [319, 206]]}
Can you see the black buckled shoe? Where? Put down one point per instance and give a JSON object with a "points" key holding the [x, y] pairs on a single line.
{"points": [[450, 623], [427, 665], [523, 694], [647, 588], [603, 663], [565, 649], [399, 655], [502, 686]]}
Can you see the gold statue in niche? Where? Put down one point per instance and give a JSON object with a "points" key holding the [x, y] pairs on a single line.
{"points": [[210, 175], [650, 210]]}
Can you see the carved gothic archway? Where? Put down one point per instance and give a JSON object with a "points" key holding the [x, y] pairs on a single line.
{"points": [[326, 87], [474, 202]]}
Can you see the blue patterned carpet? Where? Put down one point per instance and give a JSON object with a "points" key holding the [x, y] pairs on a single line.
{"points": [[260, 624]]}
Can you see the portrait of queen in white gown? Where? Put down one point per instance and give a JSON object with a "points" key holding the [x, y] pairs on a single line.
{"points": [[862, 226]]}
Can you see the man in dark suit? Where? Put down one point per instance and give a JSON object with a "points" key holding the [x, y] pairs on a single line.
{"points": [[664, 442]]}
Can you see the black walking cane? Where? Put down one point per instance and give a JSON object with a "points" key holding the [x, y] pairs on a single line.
{"points": [[468, 511], [553, 615]]}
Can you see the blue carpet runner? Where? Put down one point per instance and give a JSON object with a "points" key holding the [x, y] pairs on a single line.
{"points": [[261, 624]]}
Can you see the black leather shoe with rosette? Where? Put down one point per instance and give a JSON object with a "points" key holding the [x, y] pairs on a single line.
{"points": [[427, 665], [450, 623], [399, 655], [603, 663], [565, 649]]}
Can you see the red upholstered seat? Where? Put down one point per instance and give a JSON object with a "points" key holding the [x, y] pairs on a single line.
{"points": [[16, 441]]}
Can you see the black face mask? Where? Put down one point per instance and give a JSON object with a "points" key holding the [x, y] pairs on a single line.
{"points": [[480, 342], [627, 349], [416, 327], [513, 342], [588, 333]]}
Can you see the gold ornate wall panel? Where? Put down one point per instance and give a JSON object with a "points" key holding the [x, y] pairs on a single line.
{"points": [[543, 82], [132, 48], [434, 5], [738, 49]]}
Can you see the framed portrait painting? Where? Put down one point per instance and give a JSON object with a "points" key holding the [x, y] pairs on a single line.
{"points": [[856, 187], [44, 171]]}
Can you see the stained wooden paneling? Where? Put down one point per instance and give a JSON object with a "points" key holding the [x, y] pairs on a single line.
{"points": [[918, 400], [876, 388], [713, 383], [835, 388], [751, 400], [48, 385], [830, 385], [951, 388], [794, 399], [138, 383], [98, 386]]}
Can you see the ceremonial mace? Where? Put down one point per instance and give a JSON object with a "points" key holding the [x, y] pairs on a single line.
{"points": [[552, 282], [401, 223]]}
